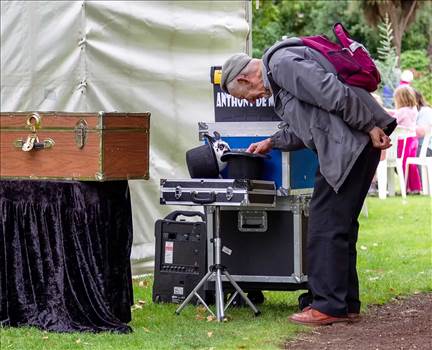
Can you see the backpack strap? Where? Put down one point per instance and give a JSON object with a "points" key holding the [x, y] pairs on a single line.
{"points": [[345, 39], [342, 35], [268, 55]]}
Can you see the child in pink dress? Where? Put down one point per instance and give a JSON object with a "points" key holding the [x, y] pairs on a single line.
{"points": [[406, 116]]}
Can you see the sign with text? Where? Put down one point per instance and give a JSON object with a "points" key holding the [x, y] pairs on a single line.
{"points": [[231, 109]]}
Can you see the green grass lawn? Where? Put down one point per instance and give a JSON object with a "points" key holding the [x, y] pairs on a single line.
{"points": [[394, 258]]}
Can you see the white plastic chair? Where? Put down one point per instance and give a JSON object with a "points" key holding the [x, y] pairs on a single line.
{"points": [[426, 166], [385, 170]]}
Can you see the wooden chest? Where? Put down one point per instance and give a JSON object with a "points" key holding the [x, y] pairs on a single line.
{"points": [[75, 146]]}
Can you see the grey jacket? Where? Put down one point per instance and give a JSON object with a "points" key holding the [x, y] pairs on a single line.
{"points": [[319, 111]]}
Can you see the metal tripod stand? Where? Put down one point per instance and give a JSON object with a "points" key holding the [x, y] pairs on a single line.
{"points": [[217, 269]]}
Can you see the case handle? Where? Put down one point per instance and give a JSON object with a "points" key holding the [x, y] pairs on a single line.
{"points": [[175, 214], [32, 143], [205, 200], [252, 221]]}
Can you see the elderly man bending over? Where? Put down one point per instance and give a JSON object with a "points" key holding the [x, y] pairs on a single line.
{"points": [[347, 129]]}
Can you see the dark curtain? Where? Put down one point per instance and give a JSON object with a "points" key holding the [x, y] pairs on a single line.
{"points": [[64, 255]]}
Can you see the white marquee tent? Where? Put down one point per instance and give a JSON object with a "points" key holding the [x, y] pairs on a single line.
{"points": [[126, 56]]}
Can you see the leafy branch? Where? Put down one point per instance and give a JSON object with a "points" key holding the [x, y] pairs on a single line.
{"points": [[388, 61]]}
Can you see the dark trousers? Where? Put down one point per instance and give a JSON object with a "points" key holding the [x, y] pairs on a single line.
{"points": [[332, 237]]}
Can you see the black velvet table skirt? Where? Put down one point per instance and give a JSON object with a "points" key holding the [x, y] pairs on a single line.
{"points": [[64, 255]]}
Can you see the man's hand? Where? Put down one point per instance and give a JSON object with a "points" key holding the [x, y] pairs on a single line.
{"points": [[379, 138], [261, 147]]}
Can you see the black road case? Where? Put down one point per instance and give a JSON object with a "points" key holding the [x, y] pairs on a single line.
{"points": [[263, 248]]}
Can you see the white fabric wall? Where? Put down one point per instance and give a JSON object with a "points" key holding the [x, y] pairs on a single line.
{"points": [[126, 56]]}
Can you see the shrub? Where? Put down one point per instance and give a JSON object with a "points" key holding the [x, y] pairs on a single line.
{"points": [[416, 59], [424, 85]]}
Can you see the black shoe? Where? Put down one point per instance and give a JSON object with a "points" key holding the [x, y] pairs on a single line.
{"points": [[256, 297], [305, 300]]}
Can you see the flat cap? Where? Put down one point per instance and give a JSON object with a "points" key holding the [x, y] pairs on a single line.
{"points": [[232, 67]]}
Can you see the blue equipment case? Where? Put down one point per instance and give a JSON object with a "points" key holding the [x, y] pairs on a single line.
{"points": [[293, 172]]}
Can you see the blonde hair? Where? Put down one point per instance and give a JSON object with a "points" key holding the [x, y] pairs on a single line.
{"points": [[405, 97]]}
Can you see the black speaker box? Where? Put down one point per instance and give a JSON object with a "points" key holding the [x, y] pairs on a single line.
{"points": [[180, 256]]}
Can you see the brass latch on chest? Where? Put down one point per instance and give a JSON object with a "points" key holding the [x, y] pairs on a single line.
{"points": [[81, 133], [32, 142]]}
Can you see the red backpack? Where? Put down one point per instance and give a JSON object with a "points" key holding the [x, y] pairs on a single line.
{"points": [[350, 59]]}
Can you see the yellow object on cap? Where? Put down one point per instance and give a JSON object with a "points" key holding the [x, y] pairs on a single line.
{"points": [[217, 75]]}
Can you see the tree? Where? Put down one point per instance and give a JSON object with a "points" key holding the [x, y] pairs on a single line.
{"points": [[419, 35], [326, 13], [276, 18], [401, 13], [266, 26]]}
